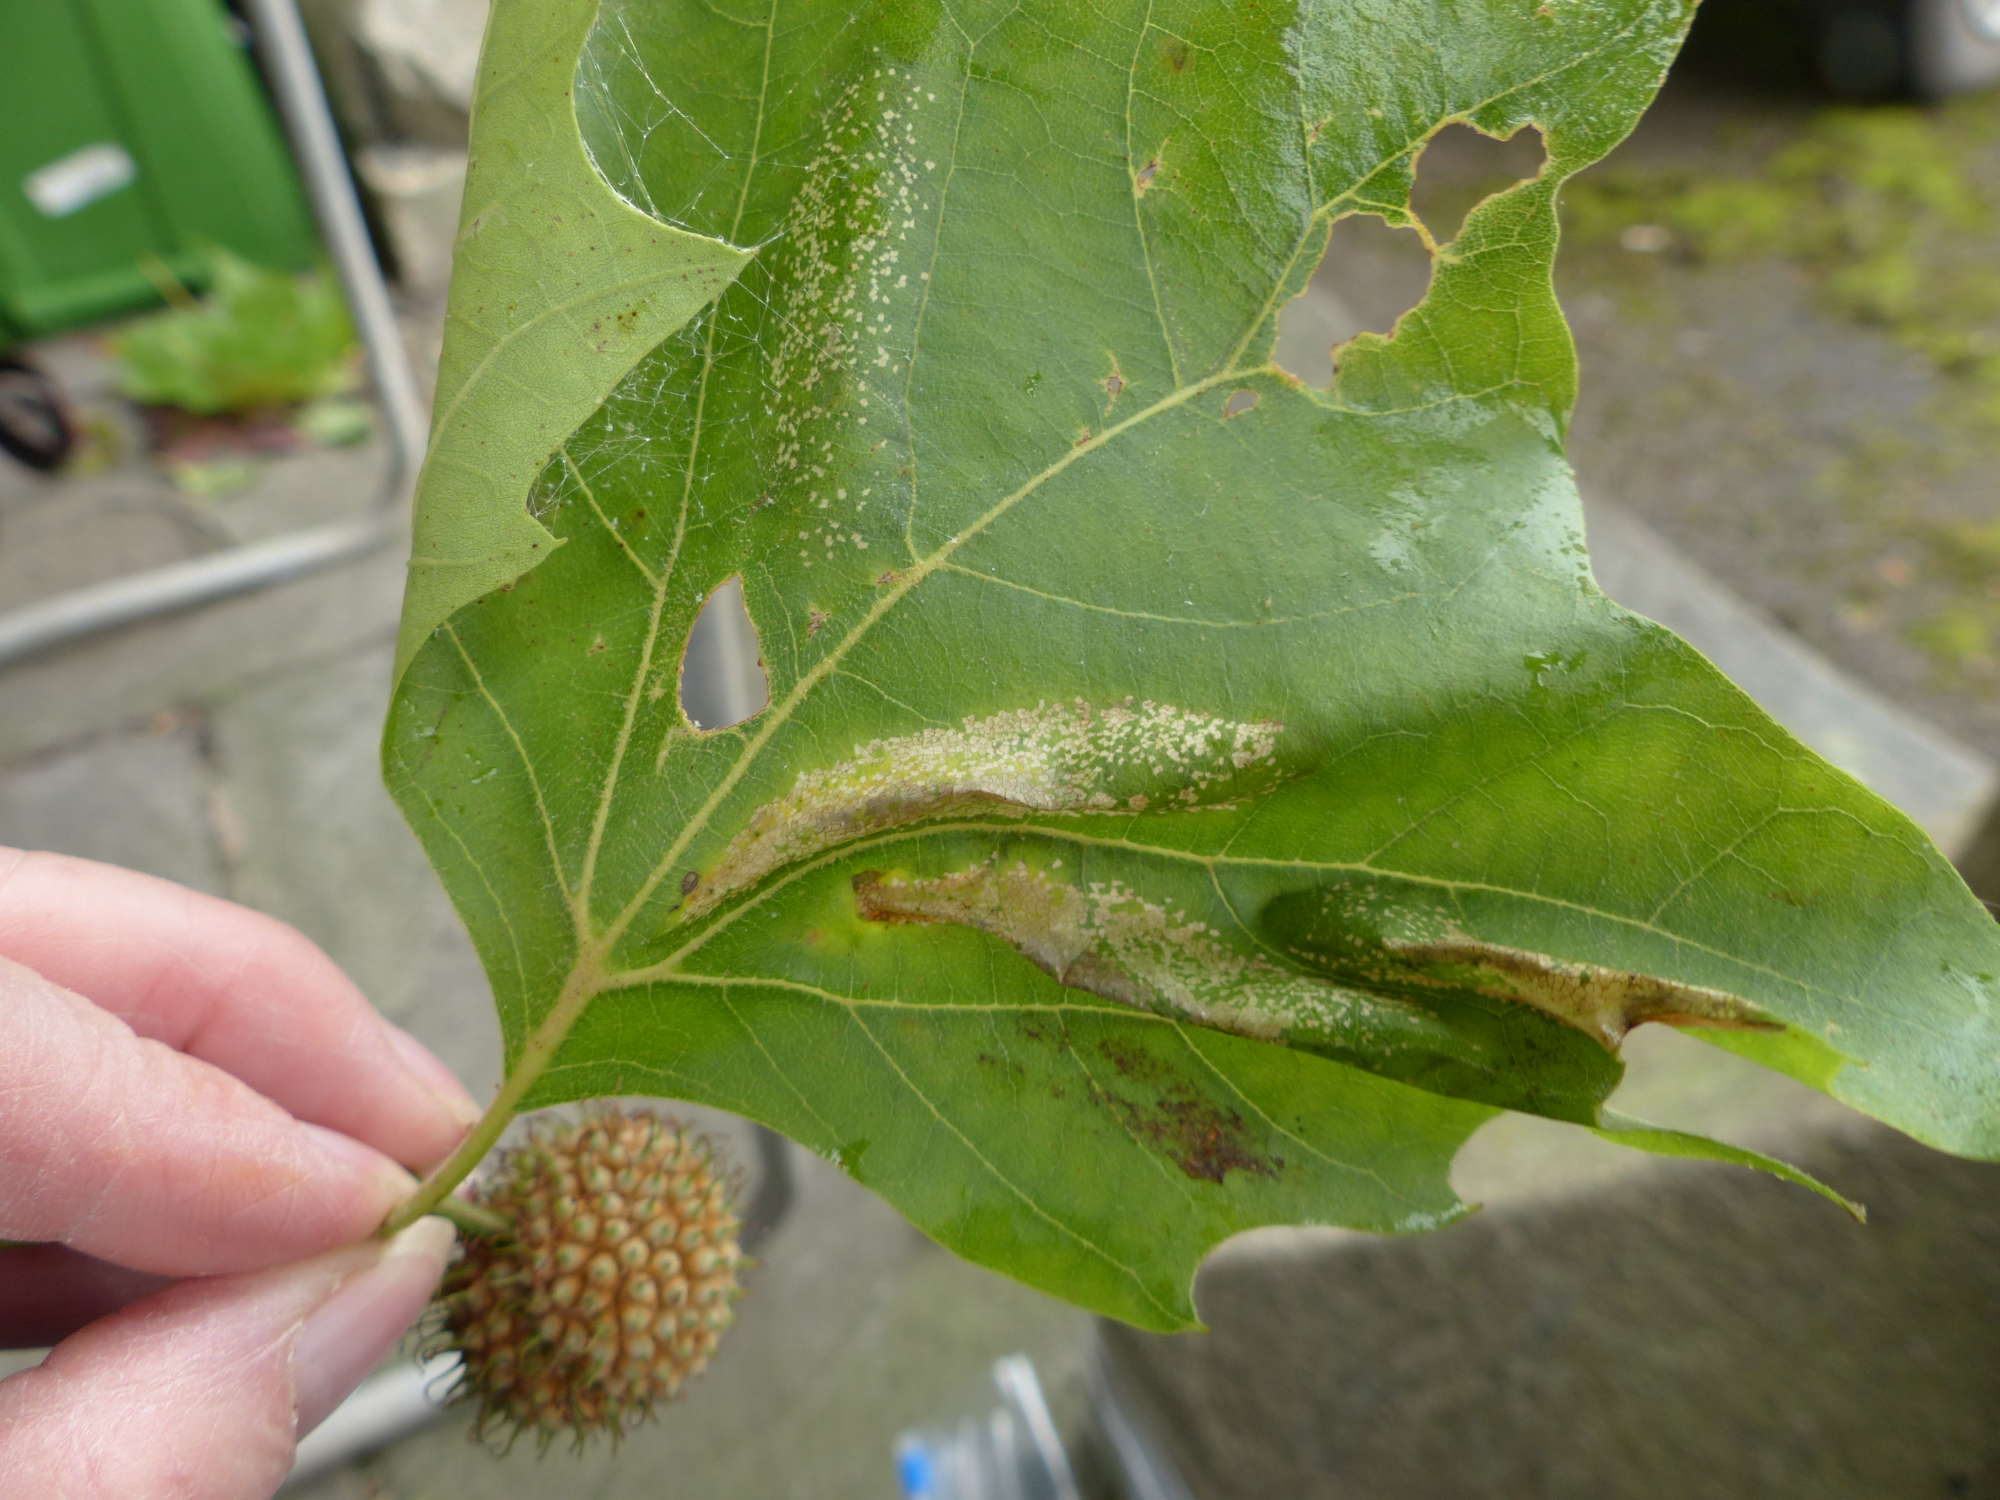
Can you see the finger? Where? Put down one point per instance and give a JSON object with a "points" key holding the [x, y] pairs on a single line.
{"points": [[242, 990], [125, 1149], [47, 1292], [203, 1390]]}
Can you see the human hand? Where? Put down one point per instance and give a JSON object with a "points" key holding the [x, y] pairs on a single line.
{"points": [[203, 1118]]}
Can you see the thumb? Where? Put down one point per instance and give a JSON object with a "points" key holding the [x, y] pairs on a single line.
{"points": [[202, 1390]]}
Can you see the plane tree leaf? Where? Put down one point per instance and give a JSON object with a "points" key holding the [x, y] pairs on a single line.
{"points": [[1185, 800]]}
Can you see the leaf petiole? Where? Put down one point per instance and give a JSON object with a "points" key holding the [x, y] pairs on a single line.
{"points": [[469, 1217], [434, 1193]]}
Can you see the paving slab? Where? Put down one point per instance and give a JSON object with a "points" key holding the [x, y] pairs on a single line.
{"points": [[54, 538], [142, 799], [1677, 1332], [319, 843], [193, 656]]}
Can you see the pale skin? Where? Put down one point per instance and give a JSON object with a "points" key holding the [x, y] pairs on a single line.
{"points": [[202, 1125]]}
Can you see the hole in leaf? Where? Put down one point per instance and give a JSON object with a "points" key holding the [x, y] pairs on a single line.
{"points": [[1369, 277], [722, 670], [1372, 274], [1240, 401], [1460, 167]]}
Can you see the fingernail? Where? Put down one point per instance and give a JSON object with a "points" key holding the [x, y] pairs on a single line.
{"points": [[437, 1079], [353, 1330], [362, 1161]]}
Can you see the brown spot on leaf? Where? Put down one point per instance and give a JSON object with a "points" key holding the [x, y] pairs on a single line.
{"points": [[1204, 1140], [1130, 1061], [999, 1064], [816, 621]]}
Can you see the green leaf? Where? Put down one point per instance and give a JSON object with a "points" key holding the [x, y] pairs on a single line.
{"points": [[1186, 800], [1624, 1131], [559, 287]]}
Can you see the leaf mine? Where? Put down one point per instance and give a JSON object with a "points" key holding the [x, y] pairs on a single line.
{"points": [[1109, 940], [1053, 758], [1382, 933], [1601, 1002]]}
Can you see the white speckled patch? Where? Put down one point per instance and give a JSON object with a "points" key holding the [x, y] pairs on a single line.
{"points": [[1053, 758]]}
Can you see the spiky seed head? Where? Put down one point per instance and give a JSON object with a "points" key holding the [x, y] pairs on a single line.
{"points": [[611, 1291]]}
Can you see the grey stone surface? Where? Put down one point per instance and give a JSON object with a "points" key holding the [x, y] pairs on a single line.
{"points": [[320, 844], [1677, 1332], [1610, 1324], [142, 798], [308, 488], [399, 70], [125, 675], [53, 539], [416, 192]]}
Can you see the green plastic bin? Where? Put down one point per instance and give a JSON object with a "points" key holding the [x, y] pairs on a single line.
{"points": [[132, 133]]}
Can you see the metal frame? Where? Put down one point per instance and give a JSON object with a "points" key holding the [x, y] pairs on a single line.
{"points": [[280, 39]]}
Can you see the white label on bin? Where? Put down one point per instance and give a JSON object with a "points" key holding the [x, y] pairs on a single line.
{"points": [[79, 179]]}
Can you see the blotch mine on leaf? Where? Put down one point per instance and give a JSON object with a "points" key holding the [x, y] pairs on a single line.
{"points": [[1053, 758], [1109, 940], [1602, 1002], [1382, 932]]}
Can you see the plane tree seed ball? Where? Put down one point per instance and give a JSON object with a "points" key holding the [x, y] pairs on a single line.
{"points": [[610, 1293]]}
